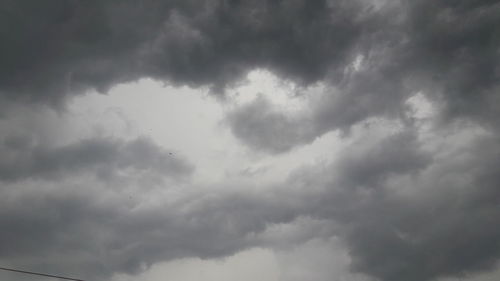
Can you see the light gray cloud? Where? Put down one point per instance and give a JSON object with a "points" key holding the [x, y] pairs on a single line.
{"points": [[22, 160]]}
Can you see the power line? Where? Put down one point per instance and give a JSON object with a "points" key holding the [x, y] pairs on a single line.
{"points": [[39, 274]]}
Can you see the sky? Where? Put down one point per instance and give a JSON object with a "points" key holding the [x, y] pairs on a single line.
{"points": [[273, 140]]}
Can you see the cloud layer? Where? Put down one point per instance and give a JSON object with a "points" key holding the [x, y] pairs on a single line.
{"points": [[411, 88]]}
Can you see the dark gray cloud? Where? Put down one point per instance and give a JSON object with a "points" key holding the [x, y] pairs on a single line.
{"points": [[263, 127], [448, 235], [404, 216], [57, 48], [63, 47], [449, 50], [454, 47], [367, 167]]}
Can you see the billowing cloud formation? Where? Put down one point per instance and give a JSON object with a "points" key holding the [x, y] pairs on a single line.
{"points": [[426, 220], [92, 231], [60, 47], [411, 197], [447, 51]]}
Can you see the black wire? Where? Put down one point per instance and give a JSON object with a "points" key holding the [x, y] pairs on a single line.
{"points": [[39, 274]]}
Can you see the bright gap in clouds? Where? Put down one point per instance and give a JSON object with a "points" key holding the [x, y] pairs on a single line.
{"points": [[254, 264], [190, 123], [316, 260], [261, 83]]}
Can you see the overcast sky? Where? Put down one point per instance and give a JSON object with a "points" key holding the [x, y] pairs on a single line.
{"points": [[273, 140]]}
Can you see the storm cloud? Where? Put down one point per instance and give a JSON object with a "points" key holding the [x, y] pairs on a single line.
{"points": [[63, 47], [408, 90]]}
